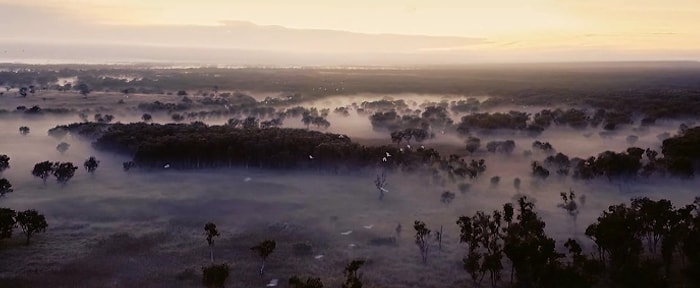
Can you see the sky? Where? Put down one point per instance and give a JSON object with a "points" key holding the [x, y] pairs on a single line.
{"points": [[554, 30]]}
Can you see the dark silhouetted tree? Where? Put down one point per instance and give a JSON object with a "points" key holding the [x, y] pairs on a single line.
{"points": [[380, 182], [62, 147], [569, 204], [84, 89], [352, 279], [4, 162], [7, 222], [43, 170], [447, 197], [473, 144], [31, 223], [264, 249], [5, 187], [91, 164], [64, 171], [422, 236], [211, 232], [24, 130], [146, 117]]}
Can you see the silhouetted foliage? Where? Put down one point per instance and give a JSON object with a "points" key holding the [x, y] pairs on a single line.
{"points": [[43, 170], [352, 278], [62, 147], [7, 222], [422, 236], [91, 164], [215, 275], [31, 223], [64, 171], [5, 187], [211, 232], [24, 130], [4, 162], [264, 249]]}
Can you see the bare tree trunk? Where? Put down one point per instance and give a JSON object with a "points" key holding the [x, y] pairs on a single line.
{"points": [[211, 254], [440, 239], [262, 268]]}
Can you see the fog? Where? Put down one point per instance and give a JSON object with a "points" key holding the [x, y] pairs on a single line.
{"points": [[144, 226]]}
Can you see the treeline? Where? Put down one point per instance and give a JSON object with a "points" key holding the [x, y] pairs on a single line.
{"points": [[681, 158], [644, 244], [197, 145]]}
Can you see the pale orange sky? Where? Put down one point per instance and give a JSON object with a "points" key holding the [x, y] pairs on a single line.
{"points": [[521, 26]]}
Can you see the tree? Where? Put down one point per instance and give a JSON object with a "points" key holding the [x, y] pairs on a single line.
{"points": [[24, 130], [31, 222], [4, 162], [23, 91], [5, 187], [146, 117], [473, 144], [482, 234], [177, 117], [531, 252], [43, 170], [211, 232], [539, 171], [447, 197], [569, 204], [352, 279], [64, 171], [295, 282], [91, 164], [264, 249], [84, 89], [380, 183], [495, 180], [422, 236], [215, 275], [62, 147], [128, 165], [7, 222]]}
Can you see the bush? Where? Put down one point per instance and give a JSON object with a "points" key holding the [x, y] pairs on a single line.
{"points": [[215, 275]]}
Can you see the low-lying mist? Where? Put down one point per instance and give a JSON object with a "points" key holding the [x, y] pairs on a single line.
{"points": [[166, 209]]}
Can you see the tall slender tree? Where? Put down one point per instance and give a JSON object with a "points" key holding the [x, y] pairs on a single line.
{"points": [[211, 232]]}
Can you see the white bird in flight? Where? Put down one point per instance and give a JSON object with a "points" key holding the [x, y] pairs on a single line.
{"points": [[384, 190], [387, 154], [311, 157], [166, 166], [384, 159], [346, 233], [370, 226]]}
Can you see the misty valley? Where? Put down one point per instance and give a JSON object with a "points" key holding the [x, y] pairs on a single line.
{"points": [[541, 175]]}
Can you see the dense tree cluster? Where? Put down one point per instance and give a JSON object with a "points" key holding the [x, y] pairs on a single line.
{"points": [[505, 147], [63, 171], [198, 145], [521, 239], [681, 153]]}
